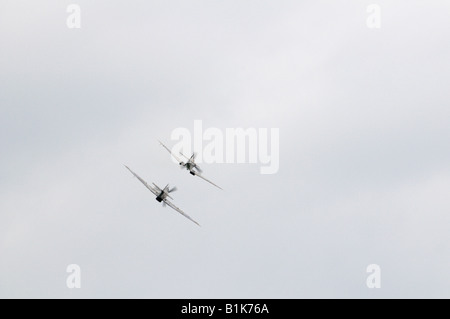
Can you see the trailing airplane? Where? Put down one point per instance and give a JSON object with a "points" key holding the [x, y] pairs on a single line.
{"points": [[162, 195], [190, 165]]}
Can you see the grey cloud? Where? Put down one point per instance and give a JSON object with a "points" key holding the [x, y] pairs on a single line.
{"points": [[364, 158]]}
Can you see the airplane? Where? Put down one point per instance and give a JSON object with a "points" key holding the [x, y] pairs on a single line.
{"points": [[162, 194], [190, 165]]}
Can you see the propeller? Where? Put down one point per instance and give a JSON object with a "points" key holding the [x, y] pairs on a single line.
{"points": [[198, 168], [173, 189]]}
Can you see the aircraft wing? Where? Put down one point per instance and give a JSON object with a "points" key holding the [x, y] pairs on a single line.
{"points": [[154, 191], [204, 178], [168, 150], [180, 211]]}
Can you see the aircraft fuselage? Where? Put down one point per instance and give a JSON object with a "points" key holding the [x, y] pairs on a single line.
{"points": [[161, 196]]}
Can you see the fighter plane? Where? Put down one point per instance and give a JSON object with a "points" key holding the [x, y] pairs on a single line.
{"points": [[190, 164], [162, 194]]}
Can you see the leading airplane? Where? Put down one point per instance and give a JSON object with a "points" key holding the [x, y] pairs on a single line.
{"points": [[162, 194], [190, 164]]}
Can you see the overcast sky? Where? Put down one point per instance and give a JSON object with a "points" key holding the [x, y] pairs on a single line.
{"points": [[364, 122]]}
